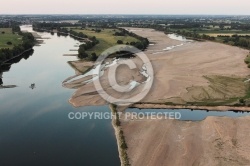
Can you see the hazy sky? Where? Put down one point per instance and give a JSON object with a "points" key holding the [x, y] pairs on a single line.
{"points": [[241, 7]]}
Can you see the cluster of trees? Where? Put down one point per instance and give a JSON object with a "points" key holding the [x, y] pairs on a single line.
{"points": [[83, 55], [50, 25], [28, 42], [120, 42], [141, 44], [96, 30], [14, 25], [121, 33], [193, 35], [10, 24], [88, 45], [63, 30], [240, 26], [16, 28], [185, 26], [77, 34], [236, 40]]}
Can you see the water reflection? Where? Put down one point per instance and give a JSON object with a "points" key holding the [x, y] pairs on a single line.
{"points": [[1, 76], [6, 66], [34, 124], [192, 115]]}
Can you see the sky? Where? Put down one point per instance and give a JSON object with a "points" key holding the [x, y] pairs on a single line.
{"points": [[210, 7]]}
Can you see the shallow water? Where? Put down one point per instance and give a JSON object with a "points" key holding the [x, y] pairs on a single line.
{"points": [[191, 115], [178, 37], [34, 124]]}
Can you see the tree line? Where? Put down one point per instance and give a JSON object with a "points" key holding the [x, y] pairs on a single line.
{"points": [[142, 42], [236, 40], [192, 35]]}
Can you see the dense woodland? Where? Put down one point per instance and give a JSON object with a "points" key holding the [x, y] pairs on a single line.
{"points": [[28, 42], [236, 40]]}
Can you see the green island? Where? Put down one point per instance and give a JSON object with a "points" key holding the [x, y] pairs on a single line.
{"points": [[106, 38], [14, 43]]}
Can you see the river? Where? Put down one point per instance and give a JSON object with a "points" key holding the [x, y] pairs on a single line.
{"points": [[34, 124]]}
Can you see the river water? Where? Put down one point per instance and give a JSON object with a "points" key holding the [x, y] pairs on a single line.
{"points": [[35, 129], [186, 114], [34, 124]]}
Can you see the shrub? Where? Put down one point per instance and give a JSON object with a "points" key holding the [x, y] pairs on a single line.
{"points": [[124, 145], [119, 42], [9, 43], [242, 101], [93, 57]]}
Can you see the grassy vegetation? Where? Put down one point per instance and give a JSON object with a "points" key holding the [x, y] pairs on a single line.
{"points": [[239, 38], [6, 35], [106, 39], [221, 91], [223, 32], [121, 138], [214, 30], [215, 34], [247, 60]]}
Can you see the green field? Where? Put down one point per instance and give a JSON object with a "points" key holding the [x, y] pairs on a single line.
{"points": [[8, 36], [215, 32], [106, 38]]}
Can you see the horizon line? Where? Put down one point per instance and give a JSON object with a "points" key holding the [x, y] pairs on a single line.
{"points": [[131, 14]]}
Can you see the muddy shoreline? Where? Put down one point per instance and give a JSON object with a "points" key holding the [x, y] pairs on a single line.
{"points": [[205, 108]]}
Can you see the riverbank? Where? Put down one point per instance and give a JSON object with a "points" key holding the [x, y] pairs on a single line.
{"points": [[16, 56], [213, 141], [121, 144]]}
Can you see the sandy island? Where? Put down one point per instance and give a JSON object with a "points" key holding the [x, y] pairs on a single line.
{"points": [[203, 72]]}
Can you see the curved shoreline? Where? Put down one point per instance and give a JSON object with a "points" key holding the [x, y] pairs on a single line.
{"points": [[4, 62]]}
